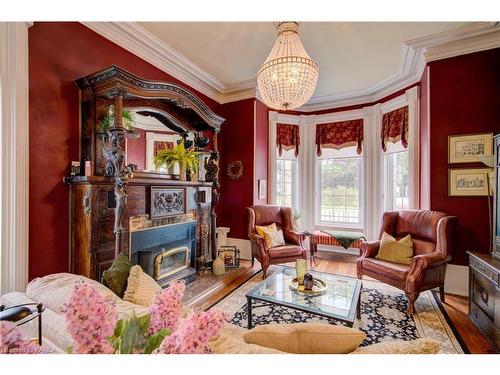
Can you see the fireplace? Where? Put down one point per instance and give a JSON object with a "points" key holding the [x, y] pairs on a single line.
{"points": [[170, 262], [166, 252]]}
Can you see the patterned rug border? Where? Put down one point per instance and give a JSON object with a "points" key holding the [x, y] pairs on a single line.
{"points": [[454, 329], [455, 338]]}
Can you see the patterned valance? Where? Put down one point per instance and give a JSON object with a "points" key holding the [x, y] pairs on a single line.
{"points": [[340, 134], [395, 127], [287, 138]]}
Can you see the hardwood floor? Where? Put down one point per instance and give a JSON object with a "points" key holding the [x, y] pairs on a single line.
{"points": [[455, 306]]}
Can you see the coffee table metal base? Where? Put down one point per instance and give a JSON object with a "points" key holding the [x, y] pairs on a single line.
{"points": [[251, 306]]}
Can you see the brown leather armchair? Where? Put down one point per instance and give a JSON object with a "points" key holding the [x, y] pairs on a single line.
{"points": [[432, 235], [282, 216]]}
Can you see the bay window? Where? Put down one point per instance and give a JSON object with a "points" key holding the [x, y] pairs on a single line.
{"points": [[352, 166]]}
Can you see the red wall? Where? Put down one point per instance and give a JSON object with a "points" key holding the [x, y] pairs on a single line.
{"points": [[60, 53], [464, 98], [261, 148], [236, 143]]}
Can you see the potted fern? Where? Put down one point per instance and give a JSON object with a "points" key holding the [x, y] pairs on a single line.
{"points": [[186, 159]]}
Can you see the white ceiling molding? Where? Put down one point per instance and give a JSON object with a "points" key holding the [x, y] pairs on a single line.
{"points": [[414, 56], [148, 47]]}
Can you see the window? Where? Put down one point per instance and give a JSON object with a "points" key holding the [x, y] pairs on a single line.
{"points": [[286, 180], [339, 187], [396, 177]]}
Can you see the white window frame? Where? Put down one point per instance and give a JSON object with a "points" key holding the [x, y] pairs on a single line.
{"points": [[410, 99], [373, 156], [317, 193], [336, 117]]}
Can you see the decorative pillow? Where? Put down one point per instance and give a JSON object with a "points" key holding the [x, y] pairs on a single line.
{"points": [[223, 344], [141, 288], [115, 277], [306, 338], [262, 230], [273, 239], [418, 346], [395, 251]]}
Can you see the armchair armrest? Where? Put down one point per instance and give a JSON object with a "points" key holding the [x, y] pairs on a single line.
{"points": [[369, 249], [420, 262], [294, 237], [257, 238]]}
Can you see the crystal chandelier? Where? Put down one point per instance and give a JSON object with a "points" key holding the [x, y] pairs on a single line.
{"points": [[288, 77]]}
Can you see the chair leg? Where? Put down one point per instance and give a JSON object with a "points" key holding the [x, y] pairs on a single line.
{"points": [[264, 271], [441, 293], [253, 260], [412, 297]]}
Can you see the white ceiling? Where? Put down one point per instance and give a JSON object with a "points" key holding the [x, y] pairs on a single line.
{"points": [[351, 55]]}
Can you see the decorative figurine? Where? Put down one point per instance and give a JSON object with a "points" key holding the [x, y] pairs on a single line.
{"points": [[212, 167], [308, 281]]}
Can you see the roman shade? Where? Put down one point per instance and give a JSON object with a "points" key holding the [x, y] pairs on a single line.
{"points": [[287, 138], [395, 127], [338, 135]]}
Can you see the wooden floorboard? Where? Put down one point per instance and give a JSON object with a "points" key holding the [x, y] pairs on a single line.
{"points": [[456, 306]]}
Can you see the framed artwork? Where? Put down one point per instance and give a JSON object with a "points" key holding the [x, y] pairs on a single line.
{"points": [[469, 148], [468, 182], [230, 255], [262, 189]]}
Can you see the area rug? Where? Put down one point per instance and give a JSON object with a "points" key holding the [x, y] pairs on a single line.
{"points": [[383, 315]]}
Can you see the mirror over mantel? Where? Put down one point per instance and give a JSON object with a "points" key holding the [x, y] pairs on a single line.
{"points": [[143, 117]]}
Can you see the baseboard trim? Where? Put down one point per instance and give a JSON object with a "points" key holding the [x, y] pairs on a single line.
{"points": [[457, 280], [245, 247]]}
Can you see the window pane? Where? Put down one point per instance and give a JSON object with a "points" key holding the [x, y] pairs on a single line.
{"points": [[398, 164], [286, 182], [339, 198]]}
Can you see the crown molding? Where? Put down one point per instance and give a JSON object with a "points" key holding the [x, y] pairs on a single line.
{"points": [[137, 40], [415, 54]]}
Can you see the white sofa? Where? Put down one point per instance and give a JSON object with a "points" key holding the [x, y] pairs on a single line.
{"points": [[54, 290]]}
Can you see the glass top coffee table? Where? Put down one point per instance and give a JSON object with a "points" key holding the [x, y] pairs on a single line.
{"points": [[341, 300]]}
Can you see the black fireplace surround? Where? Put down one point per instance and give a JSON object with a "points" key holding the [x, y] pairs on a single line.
{"points": [[146, 244]]}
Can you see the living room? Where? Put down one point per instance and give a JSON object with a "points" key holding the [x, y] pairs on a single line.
{"points": [[245, 185]]}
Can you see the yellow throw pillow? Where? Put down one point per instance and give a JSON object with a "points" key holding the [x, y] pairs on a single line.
{"points": [[141, 288], [395, 251], [262, 230], [306, 338], [273, 239]]}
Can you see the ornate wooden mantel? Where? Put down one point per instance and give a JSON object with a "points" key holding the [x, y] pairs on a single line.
{"points": [[176, 107]]}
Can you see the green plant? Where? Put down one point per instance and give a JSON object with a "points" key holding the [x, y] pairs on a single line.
{"points": [[187, 159], [128, 119]]}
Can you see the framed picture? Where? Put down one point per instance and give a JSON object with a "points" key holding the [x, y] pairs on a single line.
{"points": [[262, 189], [230, 255], [469, 148], [468, 182]]}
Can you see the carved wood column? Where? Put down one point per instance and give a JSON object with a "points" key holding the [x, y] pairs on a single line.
{"points": [[115, 156], [215, 195]]}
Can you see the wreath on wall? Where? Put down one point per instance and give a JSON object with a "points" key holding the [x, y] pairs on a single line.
{"points": [[235, 170]]}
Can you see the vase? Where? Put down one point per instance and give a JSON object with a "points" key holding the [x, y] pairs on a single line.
{"points": [[218, 267], [182, 173], [301, 268]]}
